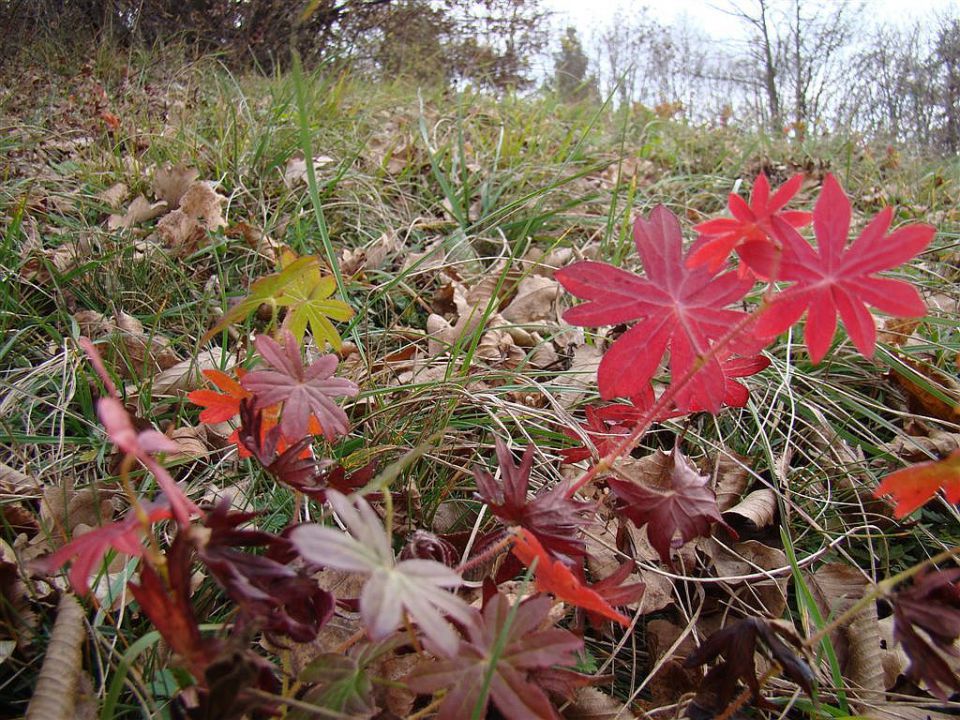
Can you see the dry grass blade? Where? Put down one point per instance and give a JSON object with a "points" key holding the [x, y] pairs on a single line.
{"points": [[56, 692]]}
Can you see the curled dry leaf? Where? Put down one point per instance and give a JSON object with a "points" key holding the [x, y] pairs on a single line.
{"points": [[944, 405], [756, 511], [859, 645], [593, 704], [114, 195], [140, 210], [534, 301], [171, 182], [296, 170], [762, 597], [55, 695]]}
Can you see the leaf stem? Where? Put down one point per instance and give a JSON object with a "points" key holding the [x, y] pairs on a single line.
{"points": [[879, 590], [663, 402]]}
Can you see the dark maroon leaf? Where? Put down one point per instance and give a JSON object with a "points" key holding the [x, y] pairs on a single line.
{"points": [[170, 610], [932, 605], [682, 505], [737, 643], [514, 683], [553, 518], [270, 595]]}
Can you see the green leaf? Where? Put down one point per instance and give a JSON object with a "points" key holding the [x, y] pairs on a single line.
{"points": [[308, 302], [268, 289]]}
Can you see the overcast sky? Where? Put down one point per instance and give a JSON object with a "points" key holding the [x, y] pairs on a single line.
{"points": [[586, 15]]}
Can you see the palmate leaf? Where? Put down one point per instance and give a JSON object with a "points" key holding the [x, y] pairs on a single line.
{"points": [[750, 226], [931, 605], [553, 577], [551, 516], [684, 505], [913, 486], [738, 643], [267, 289], [303, 390], [418, 587], [513, 685], [841, 279], [308, 302], [678, 309]]}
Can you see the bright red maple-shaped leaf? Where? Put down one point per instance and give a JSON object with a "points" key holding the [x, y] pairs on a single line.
{"points": [[514, 686], [837, 278], [913, 486], [684, 505], [751, 225], [553, 577], [302, 390], [219, 406], [87, 550], [679, 309], [553, 518]]}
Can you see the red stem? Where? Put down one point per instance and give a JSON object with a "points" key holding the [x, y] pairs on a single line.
{"points": [[662, 403]]}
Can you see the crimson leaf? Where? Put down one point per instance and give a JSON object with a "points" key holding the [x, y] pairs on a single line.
{"points": [[750, 226], [841, 279], [513, 684], [270, 595], [683, 504], [554, 519], [679, 309]]}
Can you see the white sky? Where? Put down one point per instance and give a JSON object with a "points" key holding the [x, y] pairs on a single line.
{"points": [[587, 15]]}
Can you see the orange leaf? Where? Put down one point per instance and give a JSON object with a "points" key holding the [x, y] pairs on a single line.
{"points": [[554, 577], [915, 485]]}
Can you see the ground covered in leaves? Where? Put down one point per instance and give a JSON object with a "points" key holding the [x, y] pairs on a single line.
{"points": [[143, 196]]}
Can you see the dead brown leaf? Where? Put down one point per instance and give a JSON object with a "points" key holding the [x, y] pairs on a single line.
{"points": [[858, 644], [534, 301], [140, 210], [171, 182], [592, 704], [755, 512], [758, 597], [296, 171], [114, 195], [920, 399]]}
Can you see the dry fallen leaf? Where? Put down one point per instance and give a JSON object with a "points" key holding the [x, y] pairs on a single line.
{"points": [[534, 301], [114, 195], [920, 399], [755, 512], [593, 704], [296, 172], [170, 182], [140, 210]]}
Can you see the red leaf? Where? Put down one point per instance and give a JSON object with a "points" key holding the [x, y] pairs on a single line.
{"points": [[514, 684], [302, 390], [551, 516], [686, 505], [915, 485], [88, 549], [750, 225], [553, 577], [841, 279], [679, 309], [219, 407]]}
